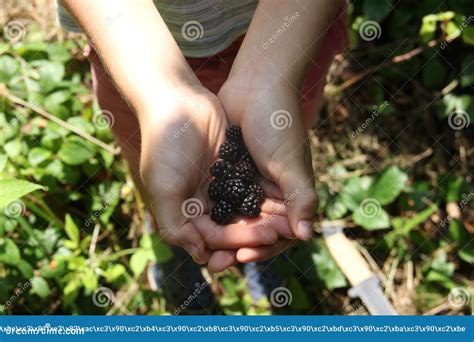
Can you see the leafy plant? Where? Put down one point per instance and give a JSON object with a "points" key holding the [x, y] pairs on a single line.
{"points": [[366, 196]]}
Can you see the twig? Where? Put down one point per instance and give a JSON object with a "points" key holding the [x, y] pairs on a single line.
{"points": [[410, 160], [438, 309], [95, 235], [334, 90], [14, 99]]}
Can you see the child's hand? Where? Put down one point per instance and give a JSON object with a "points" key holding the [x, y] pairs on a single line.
{"points": [[180, 138], [275, 135]]}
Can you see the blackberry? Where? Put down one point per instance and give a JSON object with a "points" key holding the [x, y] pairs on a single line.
{"points": [[222, 212], [234, 133], [244, 170], [230, 151], [234, 190], [250, 206], [216, 189], [257, 190], [220, 168]]}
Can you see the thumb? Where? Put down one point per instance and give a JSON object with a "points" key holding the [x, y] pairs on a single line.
{"points": [[173, 216], [297, 183]]}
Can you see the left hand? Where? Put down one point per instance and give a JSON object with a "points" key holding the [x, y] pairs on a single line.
{"points": [[274, 132]]}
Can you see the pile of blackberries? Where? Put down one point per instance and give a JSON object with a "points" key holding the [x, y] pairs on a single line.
{"points": [[233, 188]]}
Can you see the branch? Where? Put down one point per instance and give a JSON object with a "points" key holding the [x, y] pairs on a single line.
{"points": [[16, 100], [334, 90]]}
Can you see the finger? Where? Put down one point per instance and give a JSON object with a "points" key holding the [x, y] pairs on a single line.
{"points": [[176, 229], [277, 223], [273, 206], [248, 233], [296, 181], [220, 260], [246, 254], [188, 238]]}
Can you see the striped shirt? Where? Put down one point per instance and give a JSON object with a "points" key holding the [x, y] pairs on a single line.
{"points": [[201, 28]]}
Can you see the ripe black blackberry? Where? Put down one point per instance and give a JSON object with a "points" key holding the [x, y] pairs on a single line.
{"points": [[250, 206], [216, 189], [220, 168], [234, 133], [222, 212], [230, 151], [244, 170], [256, 190], [235, 190]]}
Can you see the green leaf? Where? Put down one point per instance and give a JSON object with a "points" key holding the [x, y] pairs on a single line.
{"points": [[71, 290], [75, 152], [13, 148], [114, 272], [37, 155], [55, 103], [161, 251], [457, 233], [355, 191], [58, 52], [456, 186], [9, 67], [326, 268], [377, 219], [82, 124], [467, 71], [25, 269], [468, 35], [51, 73], [13, 189], [72, 231], [157, 250], [40, 287], [428, 28], [89, 279], [466, 252], [139, 261], [388, 185], [442, 267], [404, 225], [9, 252]]}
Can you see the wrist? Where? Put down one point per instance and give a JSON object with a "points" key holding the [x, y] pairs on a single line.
{"points": [[166, 100], [176, 107], [264, 75]]}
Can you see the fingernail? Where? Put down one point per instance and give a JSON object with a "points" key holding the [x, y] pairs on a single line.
{"points": [[305, 230]]}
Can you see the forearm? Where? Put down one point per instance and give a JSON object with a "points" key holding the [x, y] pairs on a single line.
{"points": [[135, 47], [282, 40]]}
